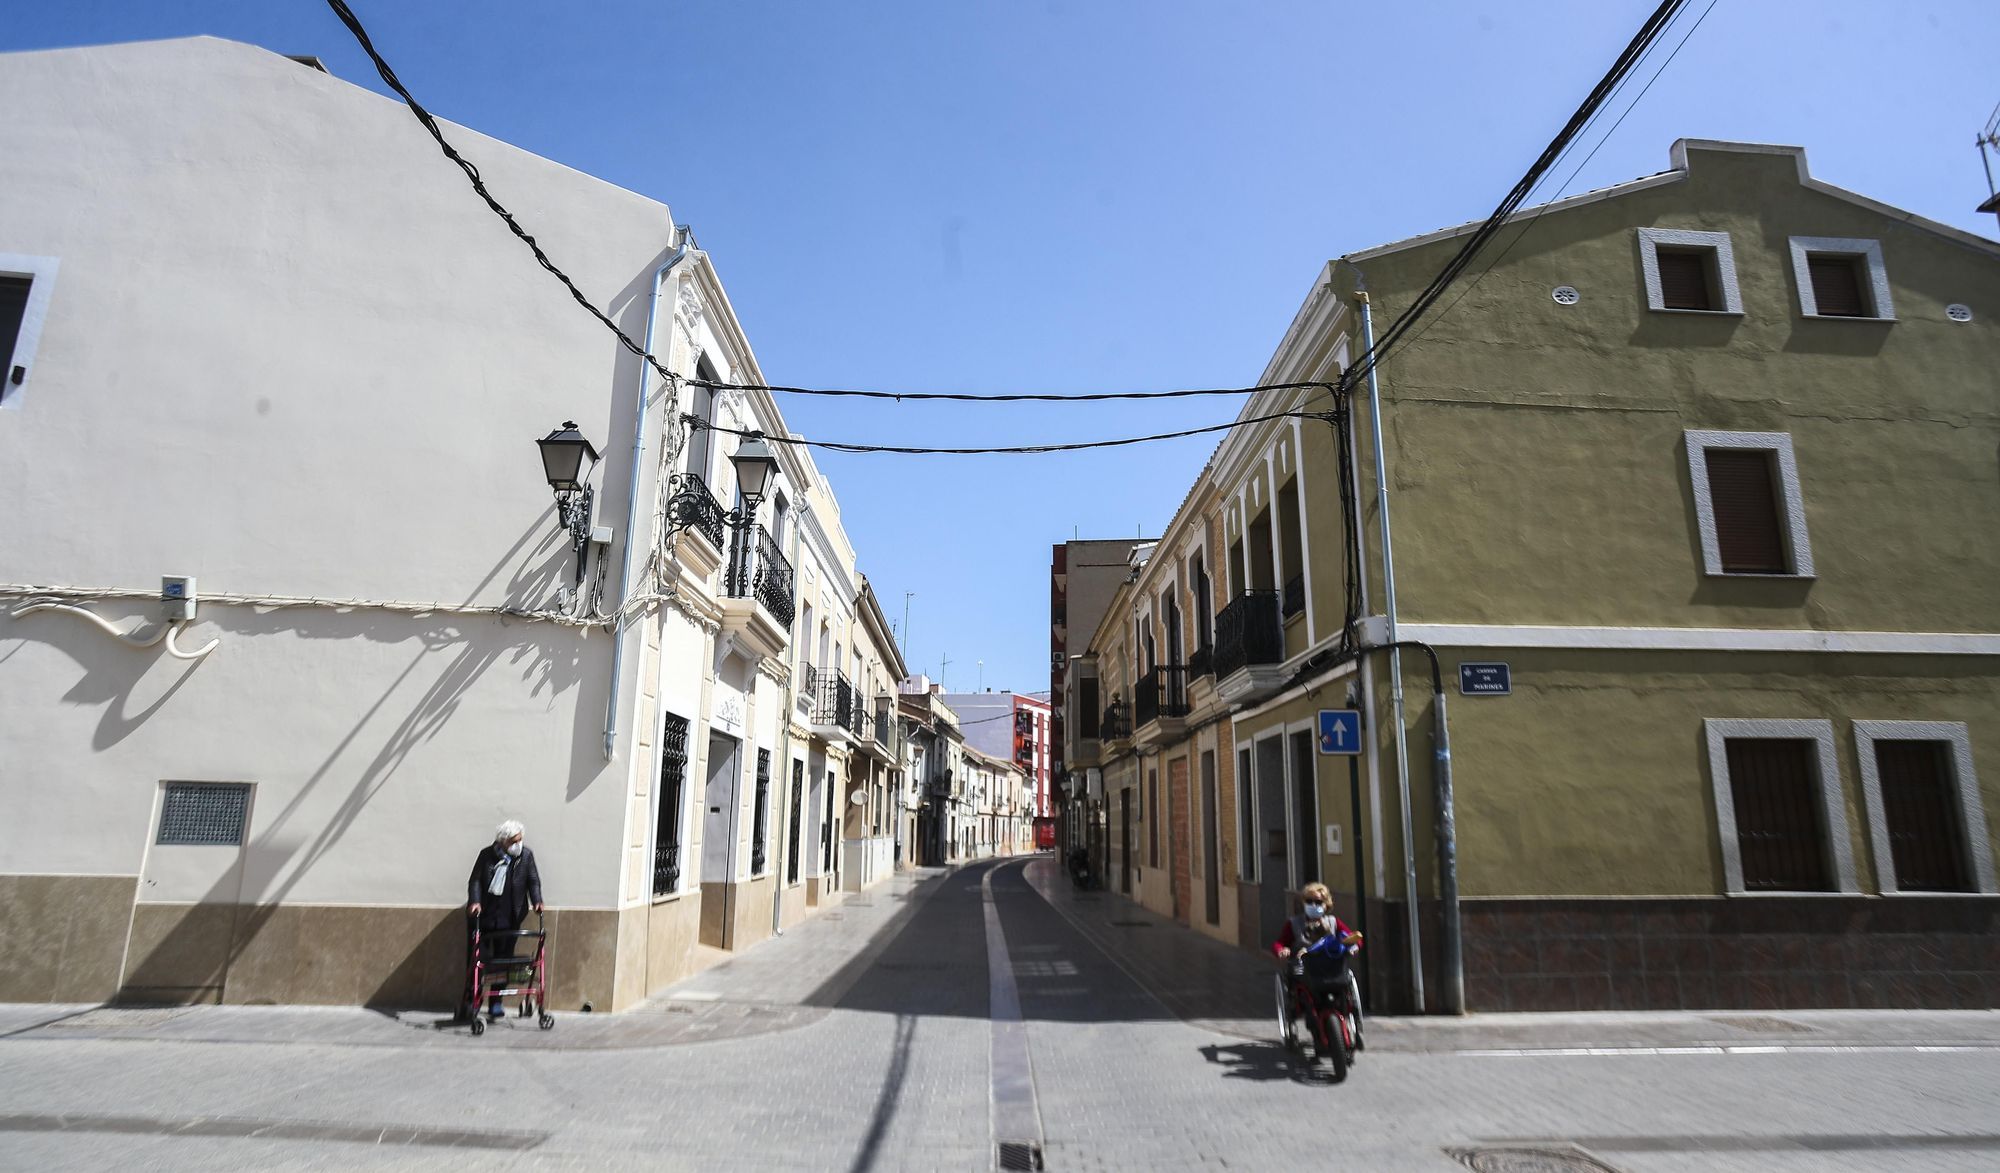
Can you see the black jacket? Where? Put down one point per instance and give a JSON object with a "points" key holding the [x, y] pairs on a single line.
{"points": [[524, 887]]}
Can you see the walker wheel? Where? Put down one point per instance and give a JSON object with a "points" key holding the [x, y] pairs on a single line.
{"points": [[548, 1022], [478, 1025]]}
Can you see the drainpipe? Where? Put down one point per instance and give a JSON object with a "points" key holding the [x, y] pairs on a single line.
{"points": [[1395, 660], [684, 245], [1367, 678]]}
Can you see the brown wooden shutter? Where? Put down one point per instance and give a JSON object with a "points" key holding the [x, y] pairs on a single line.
{"points": [[1771, 787], [1684, 279], [1745, 504], [1836, 283], [1917, 801]]}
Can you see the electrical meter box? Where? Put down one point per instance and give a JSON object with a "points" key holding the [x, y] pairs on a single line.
{"points": [[177, 597]]}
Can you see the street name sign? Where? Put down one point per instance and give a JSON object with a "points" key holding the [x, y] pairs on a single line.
{"points": [[1339, 731], [1485, 680]]}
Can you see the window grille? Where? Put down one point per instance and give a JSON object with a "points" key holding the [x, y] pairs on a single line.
{"points": [[760, 824], [667, 824], [13, 309], [797, 809], [203, 814]]}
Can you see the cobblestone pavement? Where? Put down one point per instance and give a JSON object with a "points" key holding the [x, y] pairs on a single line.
{"points": [[862, 1040]]}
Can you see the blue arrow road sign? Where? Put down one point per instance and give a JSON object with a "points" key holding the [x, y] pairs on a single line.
{"points": [[1339, 731]]}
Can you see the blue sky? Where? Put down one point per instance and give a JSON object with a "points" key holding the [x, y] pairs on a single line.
{"points": [[1073, 195]]}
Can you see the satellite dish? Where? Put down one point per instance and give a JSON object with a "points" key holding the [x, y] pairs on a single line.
{"points": [[858, 798]]}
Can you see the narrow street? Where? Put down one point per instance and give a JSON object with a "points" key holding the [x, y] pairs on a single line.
{"points": [[1145, 1047]]}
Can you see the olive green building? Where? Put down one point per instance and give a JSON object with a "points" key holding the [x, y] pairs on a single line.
{"points": [[1710, 461]]}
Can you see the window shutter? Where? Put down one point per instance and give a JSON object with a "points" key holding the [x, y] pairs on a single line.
{"points": [[1923, 830], [1683, 279], [1836, 283], [1745, 504], [1771, 786]]}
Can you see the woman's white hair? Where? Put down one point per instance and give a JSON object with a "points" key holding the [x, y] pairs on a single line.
{"points": [[508, 830]]}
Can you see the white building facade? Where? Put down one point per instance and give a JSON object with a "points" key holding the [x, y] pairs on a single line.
{"points": [[281, 349]]}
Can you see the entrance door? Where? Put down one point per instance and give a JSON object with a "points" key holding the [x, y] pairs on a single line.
{"points": [[719, 803], [1305, 799], [1125, 841], [1211, 847], [1274, 868]]}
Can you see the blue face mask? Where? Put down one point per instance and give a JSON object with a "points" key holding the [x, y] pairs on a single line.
{"points": [[1315, 911]]}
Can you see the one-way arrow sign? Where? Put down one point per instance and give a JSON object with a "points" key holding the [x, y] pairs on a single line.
{"points": [[1339, 731]]}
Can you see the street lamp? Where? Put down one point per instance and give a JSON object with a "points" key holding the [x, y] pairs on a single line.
{"points": [[564, 456]]}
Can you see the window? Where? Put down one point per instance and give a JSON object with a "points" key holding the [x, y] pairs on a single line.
{"points": [[1088, 712], [1778, 806], [1152, 818], [1748, 504], [797, 809], [667, 819], [203, 814], [761, 821], [1926, 821], [1840, 277], [26, 284], [1688, 271]]}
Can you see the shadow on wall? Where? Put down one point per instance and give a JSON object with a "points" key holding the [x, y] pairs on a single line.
{"points": [[196, 950]]}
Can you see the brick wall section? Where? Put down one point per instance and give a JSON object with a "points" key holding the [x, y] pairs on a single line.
{"points": [[1761, 953]]}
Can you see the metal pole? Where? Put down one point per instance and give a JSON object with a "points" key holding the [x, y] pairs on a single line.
{"points": [[1366, 677], [1360, 881], [1395, 663], [1450, 952]]}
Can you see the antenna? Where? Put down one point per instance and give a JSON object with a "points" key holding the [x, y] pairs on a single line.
{"points": [[907, 596], [1989, 136], [944, 661]]}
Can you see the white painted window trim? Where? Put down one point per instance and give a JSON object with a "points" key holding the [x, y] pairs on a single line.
{"points": [[41, 275], [1798, 545], [1650, 240], [1804, 247], [1834, 839], [1972, 826]]}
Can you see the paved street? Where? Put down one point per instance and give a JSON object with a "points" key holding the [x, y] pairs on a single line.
{"points": [[1144, 1049]]}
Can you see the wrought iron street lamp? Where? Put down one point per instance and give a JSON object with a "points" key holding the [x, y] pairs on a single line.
{"points": [[567, 459]]}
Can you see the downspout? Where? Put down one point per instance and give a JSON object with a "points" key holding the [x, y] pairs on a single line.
{"points": [[684, 246], [1367, 678], [1414, 926]]}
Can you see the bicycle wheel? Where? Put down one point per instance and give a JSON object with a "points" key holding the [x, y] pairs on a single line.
{"points": [[1287, 1032]]}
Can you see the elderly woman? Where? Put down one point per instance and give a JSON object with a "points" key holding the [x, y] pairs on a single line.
{"points": [[503, 886]]}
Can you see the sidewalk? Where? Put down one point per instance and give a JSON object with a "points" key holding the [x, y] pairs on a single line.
{"points": [[1217, 987]]}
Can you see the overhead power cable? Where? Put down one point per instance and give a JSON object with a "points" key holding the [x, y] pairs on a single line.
{"points": [[1010, 397], [1574, 172], [1014, 450], [1641, 42], [353, 23]]}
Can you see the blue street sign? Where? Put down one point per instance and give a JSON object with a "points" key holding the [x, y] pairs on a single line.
{"points": [[1485, 680], [1339, 731]]}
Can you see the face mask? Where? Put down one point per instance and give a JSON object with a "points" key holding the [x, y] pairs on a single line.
{"points": [[514, 849], [1315, 911]]}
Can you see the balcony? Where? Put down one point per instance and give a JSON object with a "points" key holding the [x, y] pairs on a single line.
{"points": [[1249, 646], [836, 708], [1160, 706], [1115, 728], [1201, 663], [758, 592], [690, 504], [880, 732]]}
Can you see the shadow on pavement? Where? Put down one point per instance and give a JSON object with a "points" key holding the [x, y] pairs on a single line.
{"points": [[1262, 1063]]}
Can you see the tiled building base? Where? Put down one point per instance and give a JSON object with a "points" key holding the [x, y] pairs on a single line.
{"points": [[1757, 952]]}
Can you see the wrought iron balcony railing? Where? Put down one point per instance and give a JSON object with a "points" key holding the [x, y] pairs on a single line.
{"points": [[834, 700], [1115, 725], [1247, 632], [1161, 693], [690, 503], [1201, 663], [759, 570], [1295, 597]]}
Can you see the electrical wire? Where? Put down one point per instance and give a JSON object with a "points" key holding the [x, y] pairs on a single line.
{"points": [[1011, 450], [1012, 397], [1627, 60], [1574, 172], [353, 23]]}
